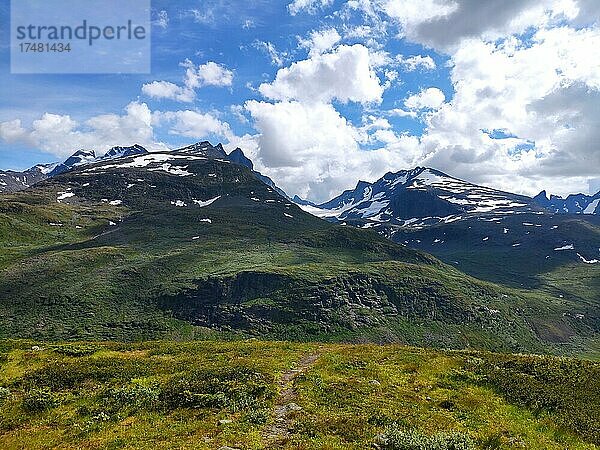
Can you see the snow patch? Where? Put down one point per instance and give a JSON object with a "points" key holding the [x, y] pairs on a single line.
{"points": [[588, 261], [202, 203], [64, 195], [592, 207], [565, 247]]}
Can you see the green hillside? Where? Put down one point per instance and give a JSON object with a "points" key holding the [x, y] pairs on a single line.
{"points": [[131, 251]]}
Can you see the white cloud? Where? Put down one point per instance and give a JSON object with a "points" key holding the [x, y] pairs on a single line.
{"points": [[545, 93], [313, 151], [430, 98], [168, 90], [12, 131], [441, 24], [320, 41], [61, 135], [310, 6], [192, 124], [208, 74], [344, 75], [399, 112]]}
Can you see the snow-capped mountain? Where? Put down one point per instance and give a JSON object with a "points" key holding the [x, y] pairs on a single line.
{"points": [[78, 158], [485, 232], [573, 204], [418, 197], [135, 156], [13, 181], [205, 149], [17, 181], [120, 152]]}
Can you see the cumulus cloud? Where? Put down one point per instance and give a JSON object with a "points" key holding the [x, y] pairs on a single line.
{"points": [[543, 95], [312, 150], [61, 135], [12, 131], [168, 90], [320, 41], [344, 75], [540, 89], [208, 74], [443, 23], [192, 124], [430, 98]]}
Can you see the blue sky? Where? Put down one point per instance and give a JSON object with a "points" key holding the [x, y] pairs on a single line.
{"points": [[428, 94]]}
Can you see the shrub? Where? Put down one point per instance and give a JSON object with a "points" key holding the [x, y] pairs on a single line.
{"points": [[395, 438], [136, 395], [38, 400], [68, 374], [4, 393], [257, 416], [568, 389], [233, 388], [75, 349]]}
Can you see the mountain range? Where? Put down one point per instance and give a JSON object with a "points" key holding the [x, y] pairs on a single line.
{"points": [[488, 233], [134, 245], [425, 196]]}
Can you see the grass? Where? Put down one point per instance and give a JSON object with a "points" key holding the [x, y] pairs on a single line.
{"points": [[214, 393]]}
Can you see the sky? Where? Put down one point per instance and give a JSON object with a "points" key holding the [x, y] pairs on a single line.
{"points": [[323, 93]]}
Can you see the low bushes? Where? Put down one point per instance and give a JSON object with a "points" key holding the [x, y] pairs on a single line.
{"points": [[38, 400], [396, 438], [570, 389], [234, 388], [136, 395]]}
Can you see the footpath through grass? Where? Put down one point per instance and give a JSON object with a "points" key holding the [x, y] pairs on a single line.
{"points": [[212, 394]]}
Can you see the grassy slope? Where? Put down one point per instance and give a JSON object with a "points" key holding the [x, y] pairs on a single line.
{"points": [[161, 272], [513, 253], [172, 395]]}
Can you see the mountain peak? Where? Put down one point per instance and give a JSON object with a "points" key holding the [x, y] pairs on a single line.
{"points": [[85, 153], [120, 152], [237, 157], [362, 185], [76, 159], [205, 149], [300, 201]]}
